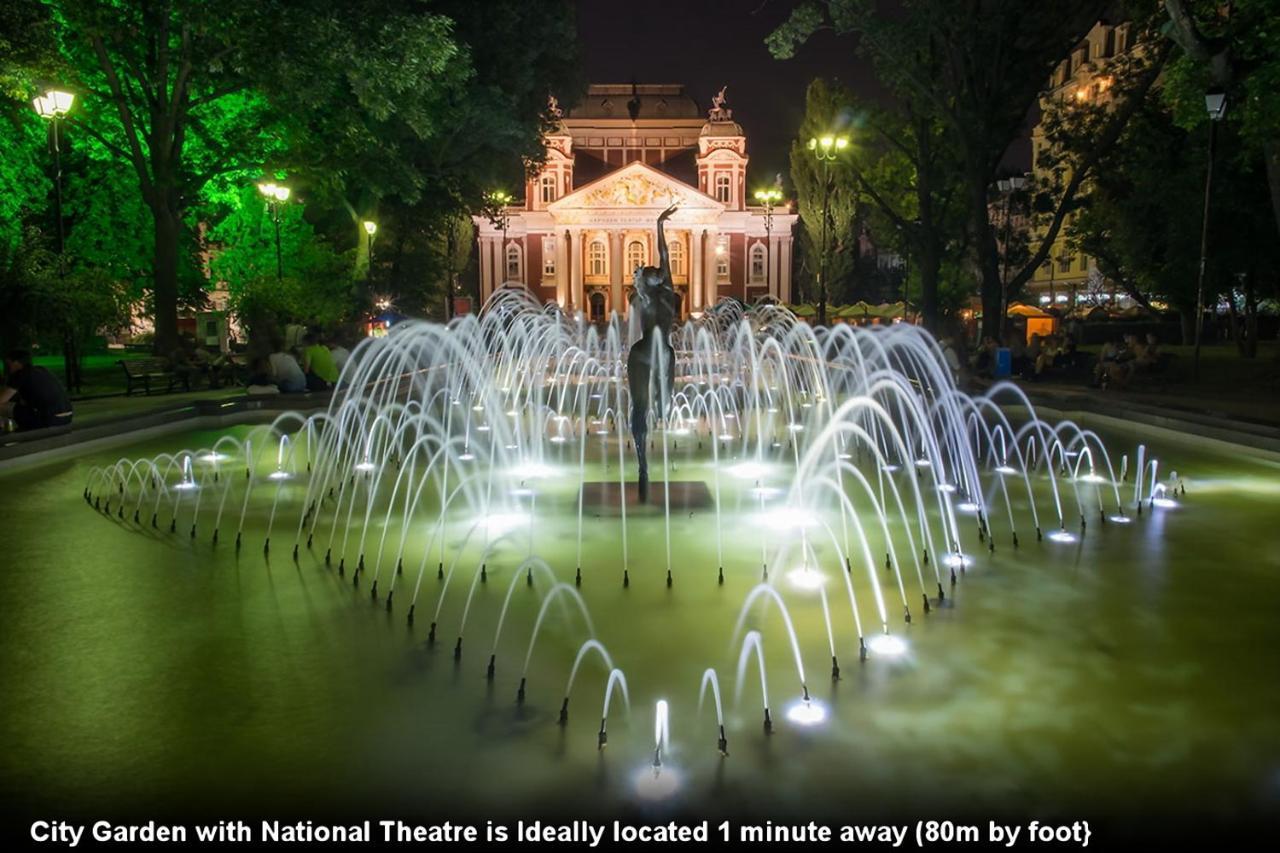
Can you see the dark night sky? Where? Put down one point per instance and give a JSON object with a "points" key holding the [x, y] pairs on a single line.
{"points": [[706, 44]]}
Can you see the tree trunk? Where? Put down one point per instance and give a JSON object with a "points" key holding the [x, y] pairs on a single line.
{"points": [[988, 258], [165, 277], [1250, 331], [1187, 323], [929, 265]]}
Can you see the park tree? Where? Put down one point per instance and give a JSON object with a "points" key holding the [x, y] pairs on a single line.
{"points": [[826, 195], [983, 72], [1233, 48]]}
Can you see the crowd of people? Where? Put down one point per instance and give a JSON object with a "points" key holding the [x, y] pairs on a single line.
{"points": [[1123, 359]]}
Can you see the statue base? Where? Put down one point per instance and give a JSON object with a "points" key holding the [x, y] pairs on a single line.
{"points": [[685, 495]]}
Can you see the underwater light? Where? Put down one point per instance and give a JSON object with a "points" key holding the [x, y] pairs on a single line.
{"points": [[1164, 503], [788, 518], [946, 488], [602, 431], [887, 645], [748, 470], [504, 522], [213, 457], [366, 466], [1091, 478], [795, 427], [477, 408], [764, 493], [888, 468], [967, 506], [806, 578], [526, 470], [482, 428], [1005, 469], [522, 492], [558, 439], [808, 712], [1062, 536], [957, 561], [1119, 519], [278, 475], [656, 783], [466, 457], [185, 485], [679, 431], [923, 463]]}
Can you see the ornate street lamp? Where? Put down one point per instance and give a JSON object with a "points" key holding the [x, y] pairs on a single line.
{"points": [[53, 106], [768, 197], [826, 148], [276, 196], [1007, 186], [1215, 104]]}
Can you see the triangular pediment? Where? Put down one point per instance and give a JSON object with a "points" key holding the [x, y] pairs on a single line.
{"points": [[636, 186]]}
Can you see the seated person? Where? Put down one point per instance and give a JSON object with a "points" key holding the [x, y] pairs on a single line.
{"points": [[285, 372], [260, 379], [984, 362], [340, 354], [318, 364], [33, 397]]}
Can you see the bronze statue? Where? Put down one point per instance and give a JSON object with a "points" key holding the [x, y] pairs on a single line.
{"points": [[655, 300]]}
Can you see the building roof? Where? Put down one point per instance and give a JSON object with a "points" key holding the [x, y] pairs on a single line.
{"points": [[635, 101]]}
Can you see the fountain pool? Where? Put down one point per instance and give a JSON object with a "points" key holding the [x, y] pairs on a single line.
{"points": [[1109, 670]]}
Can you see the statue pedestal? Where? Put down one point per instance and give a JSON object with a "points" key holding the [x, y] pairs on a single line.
{"points": [[606, 497]]}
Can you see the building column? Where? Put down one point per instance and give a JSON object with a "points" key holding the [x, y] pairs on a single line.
{"points": [[775, 264], [575, 270], [499, 263], [562, 268], [784, 271], [710, 281], [486, 269], [695, 265], [615, 272]]}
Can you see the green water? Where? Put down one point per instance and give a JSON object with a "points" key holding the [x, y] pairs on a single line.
{"points": [[1132, 673]]}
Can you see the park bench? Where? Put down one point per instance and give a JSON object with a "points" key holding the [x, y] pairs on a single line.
{"points": [[142, 371]]}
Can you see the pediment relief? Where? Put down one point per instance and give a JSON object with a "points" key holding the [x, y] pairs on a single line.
{"points": [[637, 186]]}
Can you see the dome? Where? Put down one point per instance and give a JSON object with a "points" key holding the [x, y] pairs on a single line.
{"points": [[722, 128]]}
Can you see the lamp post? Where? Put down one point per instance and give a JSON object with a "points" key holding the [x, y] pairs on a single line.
{"points": [[826, 149], [276, 195], [1215, 103], [370, 228], [768, 197], [53, 105], [501, 218], [1007, 186]]}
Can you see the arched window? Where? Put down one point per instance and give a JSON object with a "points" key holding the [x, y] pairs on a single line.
{"points": [[758, 264], [548, 184], [636, 256], [514, 264], [598, 258], [722, 261], [676, 250], [724, 187]]}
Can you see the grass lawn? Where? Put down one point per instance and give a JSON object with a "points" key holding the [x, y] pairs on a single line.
{"points": [[100, 372]]}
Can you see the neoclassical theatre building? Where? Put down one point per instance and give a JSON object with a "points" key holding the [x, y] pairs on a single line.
{"points": [[613, 164]]}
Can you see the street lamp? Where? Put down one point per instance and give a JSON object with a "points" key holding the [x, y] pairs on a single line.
{"points": [[53, 106], [370, 228], [1215, 104], [276, 195], [826, 148], [1007, 186], [501, 218], [768, 197]]}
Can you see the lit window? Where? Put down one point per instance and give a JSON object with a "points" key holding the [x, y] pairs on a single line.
{"points": [[548, 257], [676, 252], [722, 261], [597, 258], [513, 263], [724, 190], [636, 255], [548, 184], [758, 264]]}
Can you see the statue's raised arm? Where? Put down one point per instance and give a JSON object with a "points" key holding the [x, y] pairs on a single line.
{"points": [[664, 256]]}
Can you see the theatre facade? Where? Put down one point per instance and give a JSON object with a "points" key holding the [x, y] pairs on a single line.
{"points": [[613, 164]]}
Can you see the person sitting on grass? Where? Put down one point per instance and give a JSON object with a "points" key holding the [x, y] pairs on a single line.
{"points": [[318, 364], [32, 397]]}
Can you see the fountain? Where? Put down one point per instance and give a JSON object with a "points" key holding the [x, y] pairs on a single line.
{"points": [[832, 477]]}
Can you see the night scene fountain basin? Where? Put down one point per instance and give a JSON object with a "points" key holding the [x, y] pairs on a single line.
{"points": [[858, 582]]}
